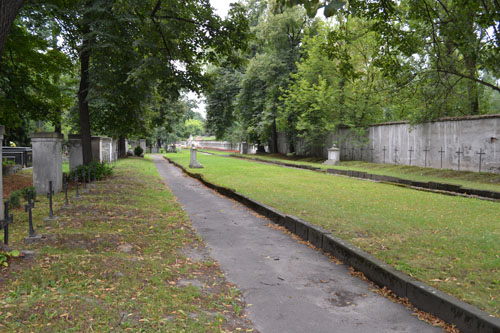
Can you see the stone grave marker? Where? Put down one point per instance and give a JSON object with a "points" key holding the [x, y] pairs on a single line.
{"points": [[333, 156], [47, 161], [193, 163]]}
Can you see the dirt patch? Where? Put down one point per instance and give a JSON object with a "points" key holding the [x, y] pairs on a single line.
{"points": [[92, 243], [16, 182]]}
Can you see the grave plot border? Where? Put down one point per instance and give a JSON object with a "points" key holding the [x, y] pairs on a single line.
{"points": [[426, 298], [443, 188]]}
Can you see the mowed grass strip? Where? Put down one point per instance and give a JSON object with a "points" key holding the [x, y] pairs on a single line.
{"points": [[451, 243], [119, 259], [468, 179]]}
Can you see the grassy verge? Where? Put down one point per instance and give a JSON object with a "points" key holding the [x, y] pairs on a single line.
{"points": [[122, 258], [468, 179], [449, 242]]}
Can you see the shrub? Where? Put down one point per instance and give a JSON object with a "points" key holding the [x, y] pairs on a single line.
{"points": [[6, 162], [15, 199], [138, 151], [25, 190], [98, 171]]}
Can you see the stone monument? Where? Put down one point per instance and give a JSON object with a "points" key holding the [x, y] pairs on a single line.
{"points": [[47, 161], [333, 156], [75, 151], [193, 163], [2, 130], [142, 144], [244, 148]]}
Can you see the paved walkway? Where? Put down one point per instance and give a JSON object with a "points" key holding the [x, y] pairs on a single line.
{"points": [[288, 286]]}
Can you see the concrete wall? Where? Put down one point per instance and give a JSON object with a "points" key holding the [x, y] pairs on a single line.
{"points": [[469, 135], [222, 145], [47, 161]]}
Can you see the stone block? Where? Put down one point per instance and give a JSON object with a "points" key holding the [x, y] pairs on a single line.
{"points": [[75, 151], [142, 144], [301, 228], [315, 236], [47, 161], [289, 223], [466, 317]]}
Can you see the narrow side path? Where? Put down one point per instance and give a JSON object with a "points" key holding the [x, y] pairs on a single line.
{"points": [[291, 287]]}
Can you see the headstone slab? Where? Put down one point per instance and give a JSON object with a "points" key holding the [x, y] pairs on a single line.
{"points": [[47, 161], [75, 151], [333, 156], [2, 131]]}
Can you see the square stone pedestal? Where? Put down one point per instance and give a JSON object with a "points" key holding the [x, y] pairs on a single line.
{"points": [[2, 130], [47, 161]]}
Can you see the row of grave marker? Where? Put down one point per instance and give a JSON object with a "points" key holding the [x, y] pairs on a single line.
{"points": [[32, 235], [426, 150]]}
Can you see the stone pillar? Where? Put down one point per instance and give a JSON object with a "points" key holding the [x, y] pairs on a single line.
{"points": [[142, 143], [2, 130], [114, 145], [244, 148], [75, 151], [47, 161], [333, 156], [194, 162], [106, 149]]}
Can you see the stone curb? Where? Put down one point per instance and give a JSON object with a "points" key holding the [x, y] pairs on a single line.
{"points": [[449, 188], [426, 298]]}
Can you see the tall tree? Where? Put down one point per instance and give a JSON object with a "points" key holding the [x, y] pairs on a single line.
{"points": [[8, 12]]}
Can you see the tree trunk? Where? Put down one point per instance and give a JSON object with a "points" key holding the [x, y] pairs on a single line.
{"points": [[83, 105], [122, 150], [472, 91], [8, 12], [274, 146]]}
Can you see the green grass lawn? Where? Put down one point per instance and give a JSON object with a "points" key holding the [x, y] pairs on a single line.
{"points": [[116, 260], [451, 243], [65, 167], [468, 179]]}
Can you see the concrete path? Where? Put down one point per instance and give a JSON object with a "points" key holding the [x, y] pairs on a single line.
{"points": [[288, 286]]}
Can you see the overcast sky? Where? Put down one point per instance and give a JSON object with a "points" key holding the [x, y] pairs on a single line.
{"points": [[221, 7]]}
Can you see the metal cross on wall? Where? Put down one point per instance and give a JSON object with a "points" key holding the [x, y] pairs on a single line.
{"points": [[4, 224], [411, 151], [481, 153], [384, 153], [441, 152], [459, 153], [426, 150], [396, 155]]}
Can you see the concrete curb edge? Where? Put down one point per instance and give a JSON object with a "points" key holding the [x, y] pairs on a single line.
{"points": [[426, 298]]}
